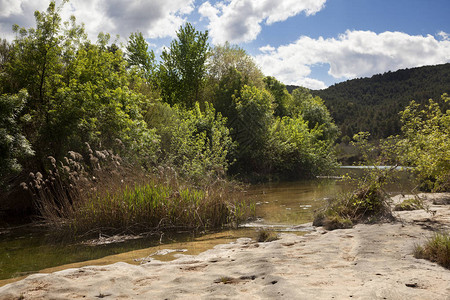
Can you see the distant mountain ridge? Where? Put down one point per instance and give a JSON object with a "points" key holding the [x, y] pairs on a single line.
{"points": [[372, 104]]}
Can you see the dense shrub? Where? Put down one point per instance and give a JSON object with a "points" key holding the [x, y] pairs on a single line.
{"points": [[426, 144], [13, 145], [195, 142]]}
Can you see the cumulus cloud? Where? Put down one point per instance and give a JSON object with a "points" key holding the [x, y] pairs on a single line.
{"points": [[351, 55], [444, 35], [19, 12], [267, 49], [154, 18], [238, 21]]}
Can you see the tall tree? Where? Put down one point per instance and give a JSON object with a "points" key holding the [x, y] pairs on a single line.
{"points": [[226, 57], [39, 61], [283, 100], [182, 69], [139, 56]]}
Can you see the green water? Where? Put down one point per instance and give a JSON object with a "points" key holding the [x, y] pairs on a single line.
{"points": [[28, 249]]}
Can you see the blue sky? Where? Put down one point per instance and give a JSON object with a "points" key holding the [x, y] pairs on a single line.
{"points": [[313, 43]]}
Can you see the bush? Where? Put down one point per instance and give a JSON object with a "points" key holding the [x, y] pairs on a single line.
{"points": [[437, 249], [367, 203], [425, 144], [295, 151], [195, 142]]}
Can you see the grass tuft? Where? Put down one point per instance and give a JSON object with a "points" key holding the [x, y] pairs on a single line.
{"points": [[409, 204], [264, 235], [436, 249]]}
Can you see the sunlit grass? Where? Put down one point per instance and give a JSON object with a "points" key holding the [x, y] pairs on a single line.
{"points": [[436, 249]]}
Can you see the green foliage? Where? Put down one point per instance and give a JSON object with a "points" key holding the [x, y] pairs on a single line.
{"points": [[437, 249], [139, 56], [282, 98], [314, 111], [224, 58], [13, 145], [229, 69], [195, 142], [409, 204], [372, 104], [295, 151], [229, 87], [5, 57], [79, 92], [254, 115], [98, 107], [270, 146], [182, 70], [426, 143]]}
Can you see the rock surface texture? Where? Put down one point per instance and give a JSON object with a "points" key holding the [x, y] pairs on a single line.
{"points": [[365, 262]]}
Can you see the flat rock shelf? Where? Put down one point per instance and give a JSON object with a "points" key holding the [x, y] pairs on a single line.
{"points": [[365, 262]]}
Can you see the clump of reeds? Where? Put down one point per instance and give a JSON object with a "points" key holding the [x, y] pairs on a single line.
{"points": [[436, 249], [367, 203], [103, 195]]}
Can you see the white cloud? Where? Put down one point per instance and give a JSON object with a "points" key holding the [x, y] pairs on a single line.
{"points": [[9, 7], [267, 48], [19, 12], [154, 18], [351, 55], [444, 35], [238, 21]]}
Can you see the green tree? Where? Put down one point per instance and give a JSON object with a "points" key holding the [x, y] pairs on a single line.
{"points": [[13, 145], [282, 98], [195, 142], [182, 69], [293, 150], [254, 115], [79, 92], [39, 59], [426, 143], [314, 111], [230, 68], [224, 58], [139, 56], [99, 107]]}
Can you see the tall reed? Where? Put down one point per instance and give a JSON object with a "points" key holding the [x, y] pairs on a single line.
{"points": [[80, 199]]}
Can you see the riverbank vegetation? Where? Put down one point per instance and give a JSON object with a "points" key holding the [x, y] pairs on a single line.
{"points": [[100, 136], [424, 147], [436, 249]]}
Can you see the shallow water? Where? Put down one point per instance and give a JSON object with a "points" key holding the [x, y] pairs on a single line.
{"points": [[279, 206]]}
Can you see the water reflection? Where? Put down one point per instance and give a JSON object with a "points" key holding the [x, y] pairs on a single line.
{"points": [[292, 203]]}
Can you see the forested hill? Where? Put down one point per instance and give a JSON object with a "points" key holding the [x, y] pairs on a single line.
{"points": [[372, 104]]}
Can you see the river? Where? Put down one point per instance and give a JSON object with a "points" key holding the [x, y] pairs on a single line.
{"points": [[279, 206]]}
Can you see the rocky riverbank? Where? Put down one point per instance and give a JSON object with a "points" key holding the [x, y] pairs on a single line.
{"points": [[365, 262]]}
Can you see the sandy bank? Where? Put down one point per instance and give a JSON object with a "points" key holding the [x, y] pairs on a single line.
{"points": [[365, 262]]}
